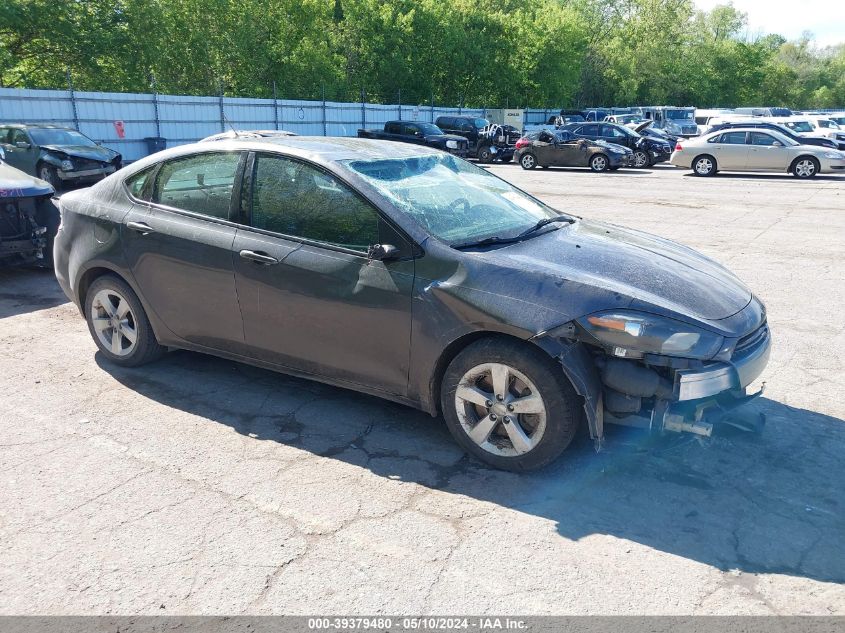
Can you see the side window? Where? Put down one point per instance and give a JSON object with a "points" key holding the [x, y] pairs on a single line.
{"points": [[202, 183], [760, 138], [392, 128], [296, 199], [465, 125], [19, 136], [609, 130], [733, 138], [409, 129], [4, 135], [589, 130], [136, 183], [445, 122]]}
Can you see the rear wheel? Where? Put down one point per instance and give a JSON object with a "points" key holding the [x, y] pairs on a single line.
{"points": [[509, 404], [805, 167], [599, 162], [528, 161], [118, 323], [704, 166]]}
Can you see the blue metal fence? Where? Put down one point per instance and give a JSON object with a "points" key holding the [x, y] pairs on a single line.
{"points": [[184, 119]]}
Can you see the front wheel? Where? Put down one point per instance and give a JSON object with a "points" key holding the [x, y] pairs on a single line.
{"points": [[640, 159], [118, 323], [805, 167], [509, 404], [599, 162], [528, 161], [485, 155], [48, 174]]}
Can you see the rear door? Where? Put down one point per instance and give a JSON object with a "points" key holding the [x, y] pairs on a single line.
{"points": [[730, 150], [178, 242], [311, 298]]}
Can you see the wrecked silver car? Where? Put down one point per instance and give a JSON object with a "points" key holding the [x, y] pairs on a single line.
{"points": [[28, 218], [413, 275]]}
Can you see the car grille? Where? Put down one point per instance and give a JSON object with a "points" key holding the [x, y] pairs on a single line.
{"points": [[83, 164], [752, 340]]}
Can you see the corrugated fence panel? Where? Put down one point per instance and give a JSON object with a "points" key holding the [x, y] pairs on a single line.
{"points": [[185, 119]]}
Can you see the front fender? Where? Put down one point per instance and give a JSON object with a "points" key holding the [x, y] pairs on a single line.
{"points": [[579, 368]]}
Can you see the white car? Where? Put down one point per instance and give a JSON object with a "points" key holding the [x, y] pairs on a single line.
{"points": [[755, 149], [246, 134]]}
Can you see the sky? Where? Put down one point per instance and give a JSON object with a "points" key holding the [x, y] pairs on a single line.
{"points": [[824, 18]]}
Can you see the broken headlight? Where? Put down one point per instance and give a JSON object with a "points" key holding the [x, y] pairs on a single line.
{"points": [[67, 165], [632, 334]]}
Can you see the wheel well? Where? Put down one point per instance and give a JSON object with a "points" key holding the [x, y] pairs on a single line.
{"points": [[797, 158], [451, 351], [88, 278]]}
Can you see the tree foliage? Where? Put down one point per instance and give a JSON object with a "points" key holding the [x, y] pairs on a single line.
{"points": [[539, 53]]}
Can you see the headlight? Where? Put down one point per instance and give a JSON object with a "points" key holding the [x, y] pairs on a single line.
{"points": [[67, 165], [632, 334], [452, 144], [835, 155]]}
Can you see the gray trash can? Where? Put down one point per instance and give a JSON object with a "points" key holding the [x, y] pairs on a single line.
{"points": [[155, 144]]}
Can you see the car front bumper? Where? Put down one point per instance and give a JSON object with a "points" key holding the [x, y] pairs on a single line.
{"points": [[87, 174], [716, 378]]}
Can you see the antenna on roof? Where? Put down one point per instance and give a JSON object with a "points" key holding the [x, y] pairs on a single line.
{"points": [[229, 123]]}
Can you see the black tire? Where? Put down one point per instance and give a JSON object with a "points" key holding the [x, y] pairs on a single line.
{"points": [[805, 167], [146, 348], [49, 174], [485, 155], [704, 166], [562, 406], [599, 163], [528, 161], [641, 159]]}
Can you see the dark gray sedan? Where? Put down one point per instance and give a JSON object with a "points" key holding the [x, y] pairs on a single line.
{"points": [[413, 275]]}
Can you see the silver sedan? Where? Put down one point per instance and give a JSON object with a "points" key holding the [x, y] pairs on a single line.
{"points": [[754, 149]]}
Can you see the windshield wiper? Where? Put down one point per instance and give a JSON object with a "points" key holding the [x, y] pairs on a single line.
{"points": [[487, 241], [546, 222]]}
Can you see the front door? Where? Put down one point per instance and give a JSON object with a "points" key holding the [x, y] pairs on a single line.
{"points": [[21, 152], [765, 154], [571, 153], [311, 298], [178, 242]]}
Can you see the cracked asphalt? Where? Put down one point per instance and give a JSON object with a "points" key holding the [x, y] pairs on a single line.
{"points": [[197, 485]]}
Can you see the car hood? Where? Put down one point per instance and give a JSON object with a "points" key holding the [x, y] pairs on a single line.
{"points": [[639, 127], [651, 271], [16, 184], [84, 151]]}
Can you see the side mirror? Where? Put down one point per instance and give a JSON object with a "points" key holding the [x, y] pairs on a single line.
{"points": [[23, 145], [777, 144], [382, 252]]}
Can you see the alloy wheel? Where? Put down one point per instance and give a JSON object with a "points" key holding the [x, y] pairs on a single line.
{"points": [[805, 168], [703, 166], [528, 161], [114, 323], [500, 409], [640, 159], [599, 163]]}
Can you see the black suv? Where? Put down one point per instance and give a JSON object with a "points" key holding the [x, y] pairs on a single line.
{"points": [[818, 141], [487, 141], [647, 151]]}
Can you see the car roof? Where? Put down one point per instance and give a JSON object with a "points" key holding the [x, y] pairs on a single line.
{"points": [[320, 149]]}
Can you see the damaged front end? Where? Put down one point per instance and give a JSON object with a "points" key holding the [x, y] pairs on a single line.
{"points": [[27, 216], [656, 373]]}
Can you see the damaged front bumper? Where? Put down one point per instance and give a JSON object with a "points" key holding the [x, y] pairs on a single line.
{"points": [[662, 398]]}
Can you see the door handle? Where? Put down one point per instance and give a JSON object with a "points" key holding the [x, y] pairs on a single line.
{"points": [[259, 258], [140, 227]]}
